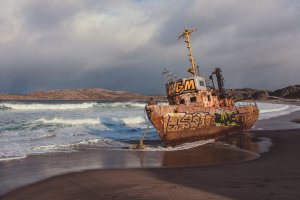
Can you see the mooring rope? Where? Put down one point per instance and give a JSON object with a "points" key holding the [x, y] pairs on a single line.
{"points": [[141, 144]]}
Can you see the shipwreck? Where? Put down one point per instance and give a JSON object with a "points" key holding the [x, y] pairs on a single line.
{"points": [[196, 111]]}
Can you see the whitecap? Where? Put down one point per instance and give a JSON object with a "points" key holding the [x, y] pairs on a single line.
{"points": [[64, 121], [48, 106]]}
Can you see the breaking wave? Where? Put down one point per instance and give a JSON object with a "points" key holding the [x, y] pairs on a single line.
{"points": [[121, 105], [69, 121], [132, 120], [91, 121], [45, 106], [69, 106]]}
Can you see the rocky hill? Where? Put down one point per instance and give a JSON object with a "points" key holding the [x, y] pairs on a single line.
{"points": [[290, 92], [248, 93], [78, 94]]}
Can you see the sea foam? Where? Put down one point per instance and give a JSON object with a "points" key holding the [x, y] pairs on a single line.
{"points": [[268, 110], [90, 121], [45, 106], [69, 106], [69, 121], [179, 147]]}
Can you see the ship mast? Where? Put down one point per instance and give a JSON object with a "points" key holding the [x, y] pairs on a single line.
{"points": [[186, 35]]}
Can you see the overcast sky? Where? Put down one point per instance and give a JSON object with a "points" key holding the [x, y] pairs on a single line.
{"points": [[125, 44]]}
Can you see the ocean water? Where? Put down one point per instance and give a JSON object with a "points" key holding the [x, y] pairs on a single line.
{"points": [[37, 127]]}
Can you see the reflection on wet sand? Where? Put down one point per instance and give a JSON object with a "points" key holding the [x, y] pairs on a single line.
{"points": [[239, 148], [249, 142], [16, 173]]}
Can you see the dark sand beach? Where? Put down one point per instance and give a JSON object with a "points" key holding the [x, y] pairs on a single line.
{"points": [[274, 175]]}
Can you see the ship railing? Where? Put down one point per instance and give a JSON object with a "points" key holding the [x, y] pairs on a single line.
{"points": [[168, 76]]}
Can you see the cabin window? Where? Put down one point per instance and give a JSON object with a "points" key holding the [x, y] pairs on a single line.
{"points": [[208, 98], [202, 83], [182, 101], [193, 99]]}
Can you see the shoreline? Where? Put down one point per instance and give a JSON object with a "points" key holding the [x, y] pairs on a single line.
{"points": [[274, 175], [58, 163]]}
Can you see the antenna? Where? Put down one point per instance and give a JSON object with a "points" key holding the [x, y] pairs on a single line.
{"points": [[186, 35]]}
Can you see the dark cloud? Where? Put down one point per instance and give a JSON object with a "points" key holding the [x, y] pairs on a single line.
{"points": [[46, 15], [124, 45]]}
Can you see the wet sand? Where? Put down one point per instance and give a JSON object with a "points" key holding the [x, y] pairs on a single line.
{"points": [[275, 175], [18, 173]]}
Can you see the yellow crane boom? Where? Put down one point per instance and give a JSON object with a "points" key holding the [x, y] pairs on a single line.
{"points": [[186, 35]]}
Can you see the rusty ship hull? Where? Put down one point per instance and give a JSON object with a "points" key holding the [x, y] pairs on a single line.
{"points": [[197, 111], [180, 124]]}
